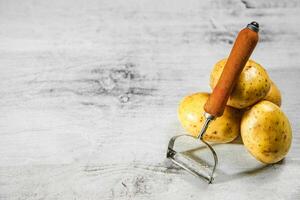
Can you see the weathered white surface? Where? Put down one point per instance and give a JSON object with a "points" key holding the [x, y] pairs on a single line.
{"points": [[89, 92]]}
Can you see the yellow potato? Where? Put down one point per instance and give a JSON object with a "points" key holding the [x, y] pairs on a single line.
{"points": [[223, 129], [253, 84], [274, 95], [266, 132]]}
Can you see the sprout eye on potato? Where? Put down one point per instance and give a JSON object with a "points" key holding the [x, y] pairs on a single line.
{"points": [[222, 130], [253, 84], [266, 132]]}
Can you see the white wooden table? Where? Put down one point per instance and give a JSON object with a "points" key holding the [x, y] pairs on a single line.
{"points": [[89, 92]]}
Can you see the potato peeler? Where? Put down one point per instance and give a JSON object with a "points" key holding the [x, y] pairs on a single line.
{"points": [[215, 105]]}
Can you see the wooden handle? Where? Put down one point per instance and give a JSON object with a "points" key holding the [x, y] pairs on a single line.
{"points": [[239, 55]]}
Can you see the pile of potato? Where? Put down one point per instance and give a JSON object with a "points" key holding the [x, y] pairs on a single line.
{"points": [[252, 111]]}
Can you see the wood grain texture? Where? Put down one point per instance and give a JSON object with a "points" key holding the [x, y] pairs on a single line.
{"points": [[89, 93]]}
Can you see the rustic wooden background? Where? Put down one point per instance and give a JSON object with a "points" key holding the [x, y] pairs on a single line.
{"points": [[89, 92]]}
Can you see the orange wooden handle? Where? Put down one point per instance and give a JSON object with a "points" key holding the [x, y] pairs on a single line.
{"points": [[239, 55]]}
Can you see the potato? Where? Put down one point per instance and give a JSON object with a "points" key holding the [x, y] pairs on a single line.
{"points": [[266, 132], [253, 84], [221, 130], [274, 95]]}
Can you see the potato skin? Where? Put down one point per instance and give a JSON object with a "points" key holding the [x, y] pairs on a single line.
{"points": [[253, 84], [222, 130], [266, 132], [274, 94]]}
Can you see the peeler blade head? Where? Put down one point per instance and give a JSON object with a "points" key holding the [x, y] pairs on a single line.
{"points": [[194, 165]]}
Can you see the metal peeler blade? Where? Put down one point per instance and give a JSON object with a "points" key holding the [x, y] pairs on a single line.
{"points": [[199, 169]]}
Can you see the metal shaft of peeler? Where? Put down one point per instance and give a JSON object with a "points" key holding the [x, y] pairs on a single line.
{"points": [[208, 119]]}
